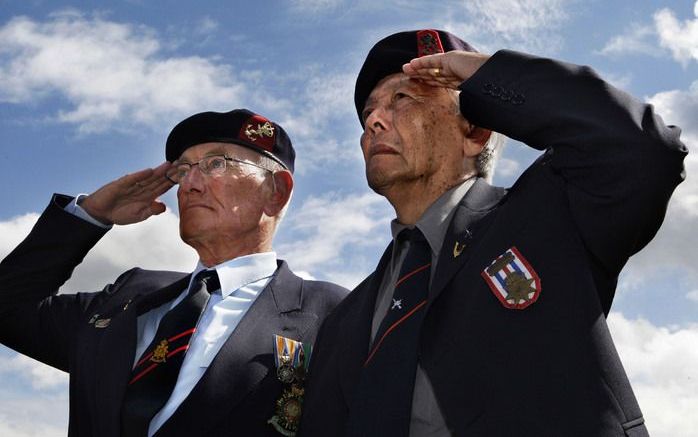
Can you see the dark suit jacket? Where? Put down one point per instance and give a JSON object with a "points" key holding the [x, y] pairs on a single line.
{"points": [[597, 196], [236, 395]]}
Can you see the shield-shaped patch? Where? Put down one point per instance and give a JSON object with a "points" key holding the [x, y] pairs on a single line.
{"points": [[513, 280]]}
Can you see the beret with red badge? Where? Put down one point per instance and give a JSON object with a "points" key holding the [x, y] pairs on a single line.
{"points": [[389, 54], [239, 126]]}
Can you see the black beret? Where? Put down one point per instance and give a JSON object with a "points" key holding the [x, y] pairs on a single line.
{"points": [[389, 54], [239, 126]]}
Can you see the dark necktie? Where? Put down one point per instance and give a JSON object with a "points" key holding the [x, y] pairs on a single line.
{"points": [[383, 402], [154, 376]]}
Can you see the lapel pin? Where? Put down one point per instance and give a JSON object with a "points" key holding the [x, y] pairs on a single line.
{"points": [[458, 249], [102, 323], [127, 304]]}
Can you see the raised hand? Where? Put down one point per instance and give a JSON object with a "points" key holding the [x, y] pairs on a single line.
{"points": [[131, 198], [446, 70]]}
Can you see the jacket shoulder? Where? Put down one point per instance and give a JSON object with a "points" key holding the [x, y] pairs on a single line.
{"points": [[144, 281]]}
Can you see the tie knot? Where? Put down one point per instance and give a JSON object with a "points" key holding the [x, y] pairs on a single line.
{"points": [[207, 278], [413, 235]]}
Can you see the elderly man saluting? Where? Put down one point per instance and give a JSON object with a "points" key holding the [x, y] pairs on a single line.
{"points": [[221, 351], [486, 314]]}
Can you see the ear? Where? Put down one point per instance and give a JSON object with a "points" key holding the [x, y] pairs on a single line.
{"points": [[280, 192], [474, 139]]}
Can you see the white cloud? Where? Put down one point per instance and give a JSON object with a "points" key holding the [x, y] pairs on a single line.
{"points": [[10, 428], [622, 81], [507, 167], [681, 108], [153, 244], [681, 38], [33, 415], [315, 6], [39, 375], [665, 34], [111, 74], [637, 39], [529, 25], [207, 25], [319, 117], [516, 17], [662, 364], [676, 244], [14, 230], [692, 295], [330, 233]]}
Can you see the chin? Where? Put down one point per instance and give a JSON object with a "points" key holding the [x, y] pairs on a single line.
{"points": [[379, 185], [191, 230]]}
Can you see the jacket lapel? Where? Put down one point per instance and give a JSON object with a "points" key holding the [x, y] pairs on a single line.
{"points": [[116, 352], [355, 329], [245, 358], [467, 226]]}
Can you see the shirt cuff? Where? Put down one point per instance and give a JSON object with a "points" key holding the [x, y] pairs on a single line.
{"points": [[77, 210]]}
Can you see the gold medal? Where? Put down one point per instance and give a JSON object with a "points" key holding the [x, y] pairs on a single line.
{"points": [[285, 371], [289, 408]]}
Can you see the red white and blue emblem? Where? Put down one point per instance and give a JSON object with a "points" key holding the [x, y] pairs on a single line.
{"points": [[512, 280]]}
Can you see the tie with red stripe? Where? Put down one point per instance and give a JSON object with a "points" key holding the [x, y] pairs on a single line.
{"points": [[154, 376], [383, 400]]}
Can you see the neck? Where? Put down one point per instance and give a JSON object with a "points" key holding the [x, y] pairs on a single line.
{"points": [[224, 248], [411, 200]]}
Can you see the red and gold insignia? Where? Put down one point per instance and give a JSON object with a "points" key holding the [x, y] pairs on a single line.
{"points": [[428, 43], [160, 352], [513, 280], [259, 131]]}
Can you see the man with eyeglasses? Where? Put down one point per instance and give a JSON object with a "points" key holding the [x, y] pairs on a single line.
{"points": [[220, 351]]}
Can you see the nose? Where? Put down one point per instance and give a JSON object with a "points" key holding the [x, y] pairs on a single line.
{"points": [[377, 120], [193, 181]]}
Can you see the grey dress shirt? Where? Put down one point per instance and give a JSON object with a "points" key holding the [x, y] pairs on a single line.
{"points": [[427, 419]]}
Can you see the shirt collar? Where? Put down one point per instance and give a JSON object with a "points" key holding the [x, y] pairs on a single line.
{"points": [[238, 272], [434, 222]]}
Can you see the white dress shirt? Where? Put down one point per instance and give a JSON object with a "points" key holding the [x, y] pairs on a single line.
{"points": [[241, 279]]}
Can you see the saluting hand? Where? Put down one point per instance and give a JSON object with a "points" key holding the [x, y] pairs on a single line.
{"points": [[446, 70], [131, 198]]}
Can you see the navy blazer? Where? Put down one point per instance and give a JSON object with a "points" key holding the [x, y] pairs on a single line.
{"points": [[595, 197], [236, 394]]}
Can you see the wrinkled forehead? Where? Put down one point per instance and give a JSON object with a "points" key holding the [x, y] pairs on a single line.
{"points": [[387, 86], [394, 82], [194, 153]]}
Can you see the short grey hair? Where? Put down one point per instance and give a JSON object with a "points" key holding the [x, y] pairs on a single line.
{"points": [[487, 159], [274, 166]]}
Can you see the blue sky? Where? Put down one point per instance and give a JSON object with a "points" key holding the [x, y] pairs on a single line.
{"points": [[90, 90]]}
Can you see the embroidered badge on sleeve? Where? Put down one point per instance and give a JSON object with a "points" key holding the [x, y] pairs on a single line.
{"points": [[513, 280]]}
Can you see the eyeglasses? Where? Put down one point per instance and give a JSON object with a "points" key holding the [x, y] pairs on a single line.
{"points": [[214, 165]]}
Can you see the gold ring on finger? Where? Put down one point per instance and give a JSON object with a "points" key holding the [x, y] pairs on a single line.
{"points": [[436, 72]]}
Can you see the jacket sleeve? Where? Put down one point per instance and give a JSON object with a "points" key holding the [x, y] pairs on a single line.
{"points": [[34, 320], [615, 158]]}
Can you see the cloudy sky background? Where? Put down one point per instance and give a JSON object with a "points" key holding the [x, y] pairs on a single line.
{"points": [[90, 90]]}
